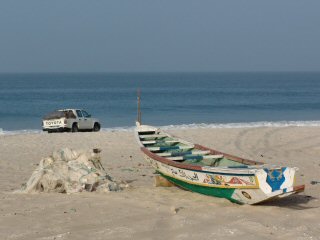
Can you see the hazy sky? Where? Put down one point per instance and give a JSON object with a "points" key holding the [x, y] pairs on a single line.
{"points": [[133, 35]]}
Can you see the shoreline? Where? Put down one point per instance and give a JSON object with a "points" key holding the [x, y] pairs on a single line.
{"points": [[276, 124]]}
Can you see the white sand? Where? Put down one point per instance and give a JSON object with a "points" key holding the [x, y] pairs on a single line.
{"points": [[147, 212]]}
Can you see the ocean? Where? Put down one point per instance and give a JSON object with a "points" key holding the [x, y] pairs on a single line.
{"points": [[172, 100]]}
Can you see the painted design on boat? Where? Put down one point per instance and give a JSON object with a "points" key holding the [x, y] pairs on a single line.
{"points": [[247, 195], [275, 178]]}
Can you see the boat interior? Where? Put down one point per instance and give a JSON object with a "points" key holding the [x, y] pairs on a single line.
{"points": [[178, 150]]}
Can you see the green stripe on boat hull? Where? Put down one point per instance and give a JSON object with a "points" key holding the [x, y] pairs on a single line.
{"points": [[210, 191]]}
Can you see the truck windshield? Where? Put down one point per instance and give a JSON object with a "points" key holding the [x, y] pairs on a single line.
{"points": [[79, 113], [85, 114]]}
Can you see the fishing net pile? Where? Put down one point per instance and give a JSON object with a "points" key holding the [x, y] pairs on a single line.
{"points": [[71, 171]]}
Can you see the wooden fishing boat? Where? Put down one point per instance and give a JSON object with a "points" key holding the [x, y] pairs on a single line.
{"points": [[211, 172]]}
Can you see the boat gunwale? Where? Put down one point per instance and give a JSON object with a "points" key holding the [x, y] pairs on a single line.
{"points": [[229, 156], [233, 171]]}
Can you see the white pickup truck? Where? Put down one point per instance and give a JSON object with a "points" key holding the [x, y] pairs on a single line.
{"points": [[71, 120]]}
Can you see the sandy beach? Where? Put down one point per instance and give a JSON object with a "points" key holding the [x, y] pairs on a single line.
{"points": [[146, 212]]}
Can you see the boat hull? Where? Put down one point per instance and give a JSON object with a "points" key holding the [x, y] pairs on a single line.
{"points": [[232, 194], [209, 191], [236, 187]]}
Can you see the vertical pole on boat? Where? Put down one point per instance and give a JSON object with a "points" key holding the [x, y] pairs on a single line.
{"points": [[139, 107]]}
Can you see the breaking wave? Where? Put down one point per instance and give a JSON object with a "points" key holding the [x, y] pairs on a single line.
{"points": [[24, 131], [246, 125], [189, 126]]}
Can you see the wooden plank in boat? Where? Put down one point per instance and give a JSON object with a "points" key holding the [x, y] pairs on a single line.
{"points": [[171, 141], [168, 154], [176, 158], [217, 156], [154, 141], [181, 158], [153, 136], [165, 154], [169, 148], [148, 142], [200, 152]]}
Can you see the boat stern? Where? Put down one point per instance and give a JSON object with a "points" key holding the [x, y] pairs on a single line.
{"points": [[273, 179], [274, 182]]}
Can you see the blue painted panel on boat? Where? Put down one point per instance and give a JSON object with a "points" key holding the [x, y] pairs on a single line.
{"points": [[275, 177], [177, 154], [244, 166], [169, 148], [194, 157]]}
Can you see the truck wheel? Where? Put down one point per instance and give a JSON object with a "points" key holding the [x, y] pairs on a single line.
{"points": [[74, 128], [96, 127]]}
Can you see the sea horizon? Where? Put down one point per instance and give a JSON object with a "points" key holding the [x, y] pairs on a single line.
{"points": [[159, 72]]}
